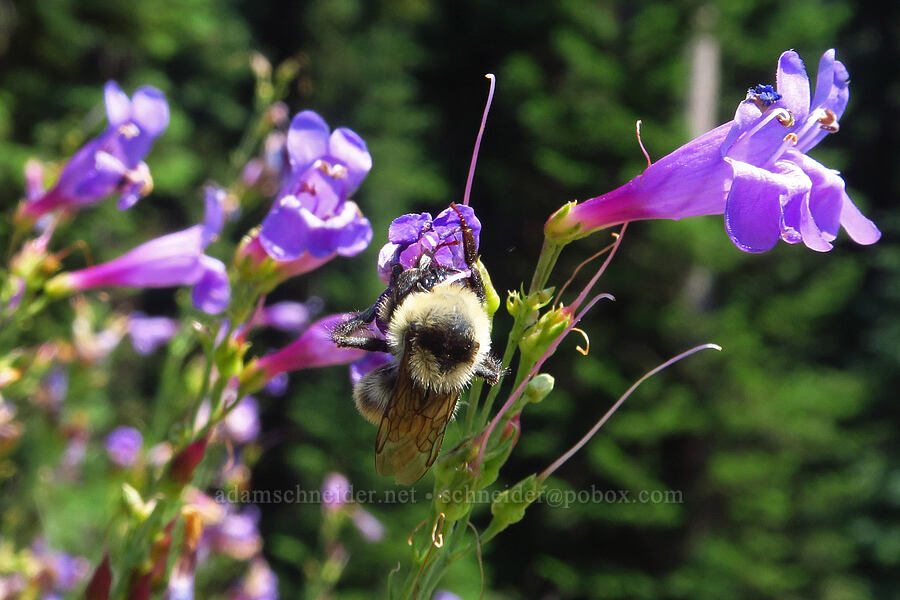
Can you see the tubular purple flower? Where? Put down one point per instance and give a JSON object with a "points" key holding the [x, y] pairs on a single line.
{"points": [[112, 162], [412, 235], [754, 170], [171, 260], [149, 333], [123, 445], [336, 492], [312, 214], [242, 423], [314, 348], [260, 583]]}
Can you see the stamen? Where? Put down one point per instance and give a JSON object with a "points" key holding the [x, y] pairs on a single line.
{"points": [[781, 114], [437, 535], [637, 129], [829, 122], [587, 342], [787, 121], [129, 130], [790, 138], [487, 108]]}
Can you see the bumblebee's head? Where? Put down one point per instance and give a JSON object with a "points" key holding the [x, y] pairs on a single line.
{"points": [[442, 334]]}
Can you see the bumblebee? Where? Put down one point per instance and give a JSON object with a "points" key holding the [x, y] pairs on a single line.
{"points": [[438, 333]]}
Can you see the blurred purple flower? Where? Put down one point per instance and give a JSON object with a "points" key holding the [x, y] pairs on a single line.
{"points": [[15, 288], [312, 214], [123, 445], [148, 333], [278, 385], [286, 316], [314, 348], [412, 235], [370, 527], [237, 535], [336, 492], [445, 595], [64, 570], [242, 423], [170, 260], [260, 583], [112, 162], [369, 362], [754, 170]]}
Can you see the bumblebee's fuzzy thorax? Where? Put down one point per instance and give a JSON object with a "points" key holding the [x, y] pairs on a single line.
{"points": [[445, 332]]}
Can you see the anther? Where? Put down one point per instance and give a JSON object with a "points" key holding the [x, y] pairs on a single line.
{"points": [[787, 121], [791, 138], [829, 122], [129, 130]]}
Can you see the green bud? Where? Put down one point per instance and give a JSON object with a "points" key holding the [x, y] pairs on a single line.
{"points": [[559, 229], [135, 504], [492, 298], [539, 387], [539, 336], [510, 505]]}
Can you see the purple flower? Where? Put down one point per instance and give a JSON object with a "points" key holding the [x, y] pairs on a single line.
{"points": [[370, 527], [170, 260], [278, 385], [412, 235], [336, 492], [260, 583], [238, 534], [369, 362], [312, 214], [754, 170], [314, 348], [112, 162], [149, 333], [292, 317], [242, 423], [124, 445]]}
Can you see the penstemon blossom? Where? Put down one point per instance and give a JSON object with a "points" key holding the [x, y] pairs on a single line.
{"points": [[312, 213], [754, 170], [412, 235], [112, 162], [171, 260]]}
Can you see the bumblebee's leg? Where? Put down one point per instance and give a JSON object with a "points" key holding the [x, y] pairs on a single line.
{"points": [[344, 334], [490, 369], [470, 252]]}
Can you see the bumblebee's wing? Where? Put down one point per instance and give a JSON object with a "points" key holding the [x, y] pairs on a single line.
{"points": [[412, 429]]}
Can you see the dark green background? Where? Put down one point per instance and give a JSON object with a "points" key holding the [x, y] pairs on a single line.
{"points": [[784, 445]]}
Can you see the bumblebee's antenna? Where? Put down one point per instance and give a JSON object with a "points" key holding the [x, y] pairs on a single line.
{"points": [[487, 108]]}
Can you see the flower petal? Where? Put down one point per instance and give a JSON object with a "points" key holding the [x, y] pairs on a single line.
{"points": [[212, 292], [284, 230], [118, 105], [150, 111], [793, 84], [835, 101], [753, 209], [859, 228], [307, 139], [350, 149], [406, 229], [214, 216], [371, 361], [824, 78]]}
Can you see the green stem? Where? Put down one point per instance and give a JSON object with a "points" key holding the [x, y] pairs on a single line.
{"points": [[550, 252]]}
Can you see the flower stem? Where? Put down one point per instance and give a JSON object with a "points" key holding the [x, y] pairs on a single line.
{"points": [[587, 437]]}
